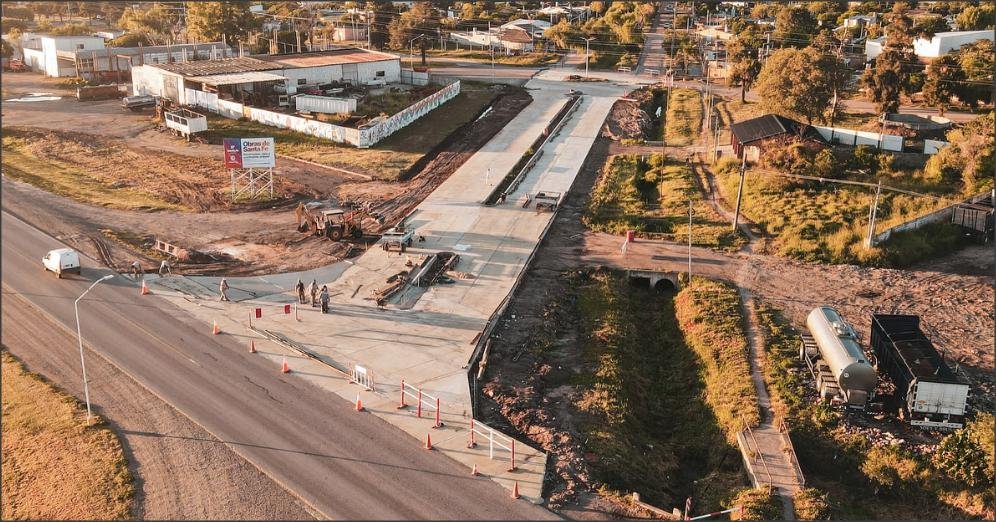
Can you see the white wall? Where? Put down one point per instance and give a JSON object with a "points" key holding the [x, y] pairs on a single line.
{"points": [[312, 75], [146, 80], [943, 43], [51, 44], [855, 137], [367, 71], [873, 48], [35, 59]]}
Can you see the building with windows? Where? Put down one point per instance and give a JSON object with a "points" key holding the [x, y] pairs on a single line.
{"points": [[263, 80]]}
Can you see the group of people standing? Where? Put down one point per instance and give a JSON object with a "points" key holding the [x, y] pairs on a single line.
{"points": [[317, 296]]}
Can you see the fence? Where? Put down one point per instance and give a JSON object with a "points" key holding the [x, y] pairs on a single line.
{"points": [[936, 216], [502, 442], [933, 146], [751, 456], [372, 134], [362, 376], [855, 137], [789, 449], [362, 138], [424, 399]]}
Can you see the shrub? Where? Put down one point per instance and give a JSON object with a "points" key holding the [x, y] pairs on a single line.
{"points": [[757, 504], [890, 470], [966, 455], [812, 504]]}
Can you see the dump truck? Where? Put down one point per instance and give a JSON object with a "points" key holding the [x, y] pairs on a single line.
{"points": [[546, 200]]}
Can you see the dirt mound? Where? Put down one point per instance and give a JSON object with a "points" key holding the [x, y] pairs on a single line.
{"points": [[627, 119]]}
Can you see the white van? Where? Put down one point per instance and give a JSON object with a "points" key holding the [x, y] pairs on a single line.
{"points": [[62, 260]]}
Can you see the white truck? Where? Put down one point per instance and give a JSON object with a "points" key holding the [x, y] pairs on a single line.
{"points": [[62, 261], [400, 237]]}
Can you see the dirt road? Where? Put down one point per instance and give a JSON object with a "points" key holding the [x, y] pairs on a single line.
{"points": [[182, 472]]}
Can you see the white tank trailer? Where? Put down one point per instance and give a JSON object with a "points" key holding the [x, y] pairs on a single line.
{"points": [[839, 358]]}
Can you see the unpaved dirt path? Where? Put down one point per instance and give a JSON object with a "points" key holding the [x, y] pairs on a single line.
{"points": [[181, 471]]}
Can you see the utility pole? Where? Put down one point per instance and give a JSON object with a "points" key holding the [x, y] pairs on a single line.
{"points": [[874, 212], [715, 150], [587, 56], [369, 29], [740, 190], [79, 336], [689, 241]]}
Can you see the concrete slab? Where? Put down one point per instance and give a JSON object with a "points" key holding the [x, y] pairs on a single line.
{"points": [[429, 341]]}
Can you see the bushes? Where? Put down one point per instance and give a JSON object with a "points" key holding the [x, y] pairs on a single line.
{"points": [[968, 161], [890, 470], [709, 315], [812, 504], [758, 504], [966, 455]]}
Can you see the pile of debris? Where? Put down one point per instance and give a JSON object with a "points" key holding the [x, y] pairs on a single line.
{"points": [[432, 270]]}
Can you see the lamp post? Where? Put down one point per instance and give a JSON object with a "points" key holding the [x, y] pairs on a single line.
{"points": [[411, 54], [76, 306], [587, 56]]}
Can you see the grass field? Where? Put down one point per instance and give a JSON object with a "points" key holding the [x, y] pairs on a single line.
{"points": [[520, 60], [642, 393], [684, 117], [636, 194], [828, 223], [54, 466], [708, 312], [388, 159], [22, 163]]}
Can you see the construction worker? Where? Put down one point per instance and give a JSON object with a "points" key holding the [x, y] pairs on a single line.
{"points": [[223, 287], [300, 291], [164, 268], [324, 297], [313, 290], [136, 269]]}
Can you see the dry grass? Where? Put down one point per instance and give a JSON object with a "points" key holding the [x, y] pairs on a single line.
{"points": [[709, 315], [643, 417], [684, 117], [637, 194], [54, 466], [519, 60], [100, 171], [388, 159]]}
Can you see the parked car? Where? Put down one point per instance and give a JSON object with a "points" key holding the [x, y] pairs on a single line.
{"points": [[62, 261]]}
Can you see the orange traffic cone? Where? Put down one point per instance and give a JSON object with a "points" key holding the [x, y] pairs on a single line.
{"points": [[215, 330], [359, 403], [145, 288], [284, 368], [252, 345], [428, 442], [474, 472], [515, 489]]}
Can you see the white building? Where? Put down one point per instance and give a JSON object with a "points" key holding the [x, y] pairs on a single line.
{"points": [[508, 41], [873, 48], [250, 80], [55, 55], [943, 43], [535, 28]]}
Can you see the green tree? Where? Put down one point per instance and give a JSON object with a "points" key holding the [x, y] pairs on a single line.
{"points": [[890, 470], [742, 55], [210, 21], [19, 13], [968, 158], [798, 83], [893, 74], [72, 30], [966, 456], [976, 18], [928, 26], [421, 19], [563, 34], [976, 60], [794, 25], [154, 24], [944, 75], [383, 14]]}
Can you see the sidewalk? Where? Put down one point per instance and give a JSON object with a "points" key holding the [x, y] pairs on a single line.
{"points": [[426, 337]]}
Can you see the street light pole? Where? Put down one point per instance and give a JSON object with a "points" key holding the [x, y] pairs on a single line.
{"points": [[587, 55], [79, 335]]}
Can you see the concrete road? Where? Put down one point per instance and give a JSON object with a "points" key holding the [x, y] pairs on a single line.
{"points": [[341, 463]]}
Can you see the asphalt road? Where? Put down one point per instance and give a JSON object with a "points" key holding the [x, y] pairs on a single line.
{"points": [[343, 464]]}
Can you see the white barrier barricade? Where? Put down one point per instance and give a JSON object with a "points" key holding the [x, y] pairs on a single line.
{"points": [[495, 438], [362, 376], [423, 399]]}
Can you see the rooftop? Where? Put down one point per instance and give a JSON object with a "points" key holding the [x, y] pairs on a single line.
{"points": [[214, 67], [320, 58], [236, 78], [762, 127]]}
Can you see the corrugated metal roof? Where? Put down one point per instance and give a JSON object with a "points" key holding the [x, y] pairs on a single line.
{"points": [[234, 78], [334, 57], [754, 129], [214, 67]]}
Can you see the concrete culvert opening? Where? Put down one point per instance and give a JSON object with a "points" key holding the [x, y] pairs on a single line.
{"points": [[665, 286], [640, 282]]}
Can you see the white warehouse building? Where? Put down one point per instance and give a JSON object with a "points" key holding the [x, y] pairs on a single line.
{"points": [[247, 79], [943, 43]]}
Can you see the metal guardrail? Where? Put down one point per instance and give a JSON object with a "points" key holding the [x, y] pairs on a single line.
{"points": [[494, 438], [758, 456], [790, 449], [423, 400]]}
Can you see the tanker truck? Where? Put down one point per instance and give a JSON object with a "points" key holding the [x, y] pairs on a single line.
{"points": [[836, 360]]}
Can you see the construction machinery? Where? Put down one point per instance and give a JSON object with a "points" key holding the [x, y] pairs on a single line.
{"points": [[546, 200], [400, 237], [333, 223]]}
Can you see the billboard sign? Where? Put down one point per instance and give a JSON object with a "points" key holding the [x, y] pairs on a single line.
{"points": [[249, 153]]}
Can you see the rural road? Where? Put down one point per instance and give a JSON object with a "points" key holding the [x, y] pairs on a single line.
{"points": [[343, 464]]}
